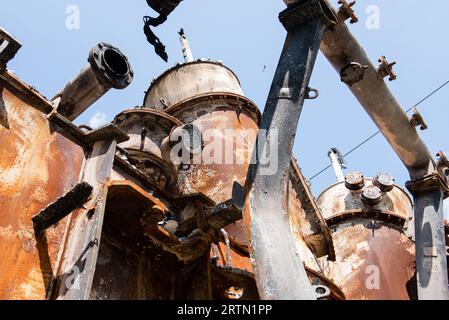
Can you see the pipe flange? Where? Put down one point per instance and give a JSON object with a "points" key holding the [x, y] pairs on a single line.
{"points": [[111, 66]]}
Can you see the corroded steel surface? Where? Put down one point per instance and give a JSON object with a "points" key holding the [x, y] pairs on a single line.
{"points": [[156, 264], [235, 123], [37, 166], [374, 262], [216, 179], [241, 265], [374, 256]]}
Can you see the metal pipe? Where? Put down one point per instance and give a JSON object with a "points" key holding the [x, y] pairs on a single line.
{"points": [[108, 68], [186, 50], [337, 164], [341, 49], [356, 70], [278, 267]]}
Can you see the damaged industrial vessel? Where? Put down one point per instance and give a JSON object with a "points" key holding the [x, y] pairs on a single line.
{"points": [[169, 201]]}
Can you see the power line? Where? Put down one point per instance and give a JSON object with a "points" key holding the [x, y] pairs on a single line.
{"points": [[378, 132]]}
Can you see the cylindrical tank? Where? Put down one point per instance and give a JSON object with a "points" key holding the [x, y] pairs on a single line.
{"points": [[374, 255], [208, 95]]}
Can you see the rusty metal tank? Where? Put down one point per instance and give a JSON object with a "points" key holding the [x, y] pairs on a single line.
{"points": [[208, 95], [375, 256]]}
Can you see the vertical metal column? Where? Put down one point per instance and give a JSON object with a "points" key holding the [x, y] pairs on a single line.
{"points": [[278, 268], [431, 261]]}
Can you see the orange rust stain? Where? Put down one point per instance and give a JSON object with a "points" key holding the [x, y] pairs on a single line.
{"points": [[239, 261], [37, 166], [216, 179], [360, 255]]}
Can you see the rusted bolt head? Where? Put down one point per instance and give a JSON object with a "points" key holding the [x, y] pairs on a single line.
{"points": [[355, 181], [371, 195], [353, 73], [384, 181]]}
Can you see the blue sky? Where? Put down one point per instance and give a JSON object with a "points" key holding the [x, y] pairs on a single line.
{"points": [[246, 36]]}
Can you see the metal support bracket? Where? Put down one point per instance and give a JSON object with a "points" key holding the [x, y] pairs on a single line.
{"points": [[110, 131], [385, 69], [430, 182], [9, 46]]}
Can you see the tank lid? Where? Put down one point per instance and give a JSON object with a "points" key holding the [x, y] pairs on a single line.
{"points": [[232, 85]]}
